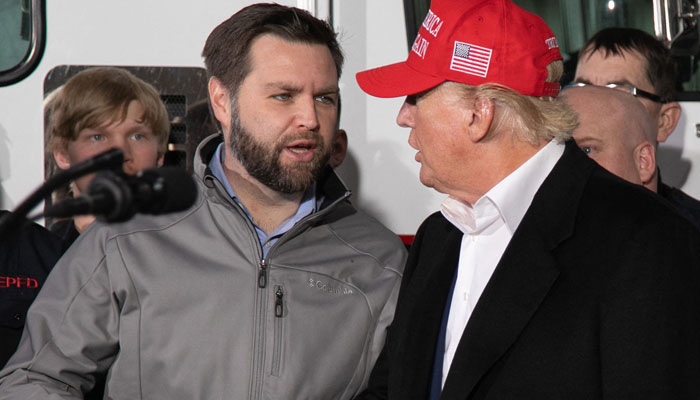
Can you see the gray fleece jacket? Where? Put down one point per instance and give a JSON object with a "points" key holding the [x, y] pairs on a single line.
{"points": [[182, 306]]}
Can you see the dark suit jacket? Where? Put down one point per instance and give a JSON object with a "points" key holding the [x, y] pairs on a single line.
{"points": [[596, 296], [685, 205]]}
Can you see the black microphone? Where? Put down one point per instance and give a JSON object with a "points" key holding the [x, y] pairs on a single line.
{"points": [[115, 197], [111, 159]]}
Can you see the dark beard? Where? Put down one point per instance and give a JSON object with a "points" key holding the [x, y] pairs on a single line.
{"points": [[262, 162]]}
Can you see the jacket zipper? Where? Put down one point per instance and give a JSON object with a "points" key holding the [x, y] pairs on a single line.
{"points": [[279, 305], [258, 363], [278, 327], [262, 274]]}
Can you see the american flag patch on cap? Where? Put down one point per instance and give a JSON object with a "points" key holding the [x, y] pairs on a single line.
{"points": [[471, 59]]}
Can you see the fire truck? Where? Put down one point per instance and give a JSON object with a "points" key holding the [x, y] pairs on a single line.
{"points": [[43, 43]]}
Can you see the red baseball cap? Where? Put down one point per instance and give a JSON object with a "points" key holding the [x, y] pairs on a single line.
{"points": [[472, 42]]}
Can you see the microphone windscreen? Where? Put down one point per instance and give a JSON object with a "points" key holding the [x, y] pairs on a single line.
{"points": [[176, 186]]}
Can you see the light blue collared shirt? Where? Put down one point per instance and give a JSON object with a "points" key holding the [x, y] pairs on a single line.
{"points": [[307, 206]]}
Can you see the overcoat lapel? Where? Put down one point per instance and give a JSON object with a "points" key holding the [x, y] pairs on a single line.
{"points": [[522, 277]]}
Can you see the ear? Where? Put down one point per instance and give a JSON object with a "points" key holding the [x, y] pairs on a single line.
{"points": [[645, 163], [220, 100], [481, 119], [339, 149], [60, 154], [669, 114], [159, 162]]}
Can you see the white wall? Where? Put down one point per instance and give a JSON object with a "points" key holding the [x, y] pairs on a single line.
{"points": [[373, 34]]}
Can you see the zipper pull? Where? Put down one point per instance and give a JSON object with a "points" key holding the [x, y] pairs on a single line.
{"points": [[279, 308], [262, 274]]}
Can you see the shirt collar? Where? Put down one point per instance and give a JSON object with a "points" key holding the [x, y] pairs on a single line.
{"points": [[509, 199], [306, 207]]}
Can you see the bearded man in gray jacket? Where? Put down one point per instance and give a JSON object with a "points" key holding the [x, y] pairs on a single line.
{"points": [[272, 286]]}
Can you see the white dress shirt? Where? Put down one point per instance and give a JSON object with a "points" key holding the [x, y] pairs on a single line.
{"points": [[488, 226]]}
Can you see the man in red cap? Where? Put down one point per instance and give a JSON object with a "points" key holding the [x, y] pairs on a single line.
{"points": [[544, 276]]}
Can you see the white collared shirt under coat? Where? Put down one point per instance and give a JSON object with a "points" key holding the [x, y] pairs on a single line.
{"points": [[488, 226]]}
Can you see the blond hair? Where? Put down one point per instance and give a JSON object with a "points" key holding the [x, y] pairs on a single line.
{"points": [[532, 119]]}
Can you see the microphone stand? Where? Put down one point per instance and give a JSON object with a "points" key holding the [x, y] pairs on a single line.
{"points": [[110, 159]]}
